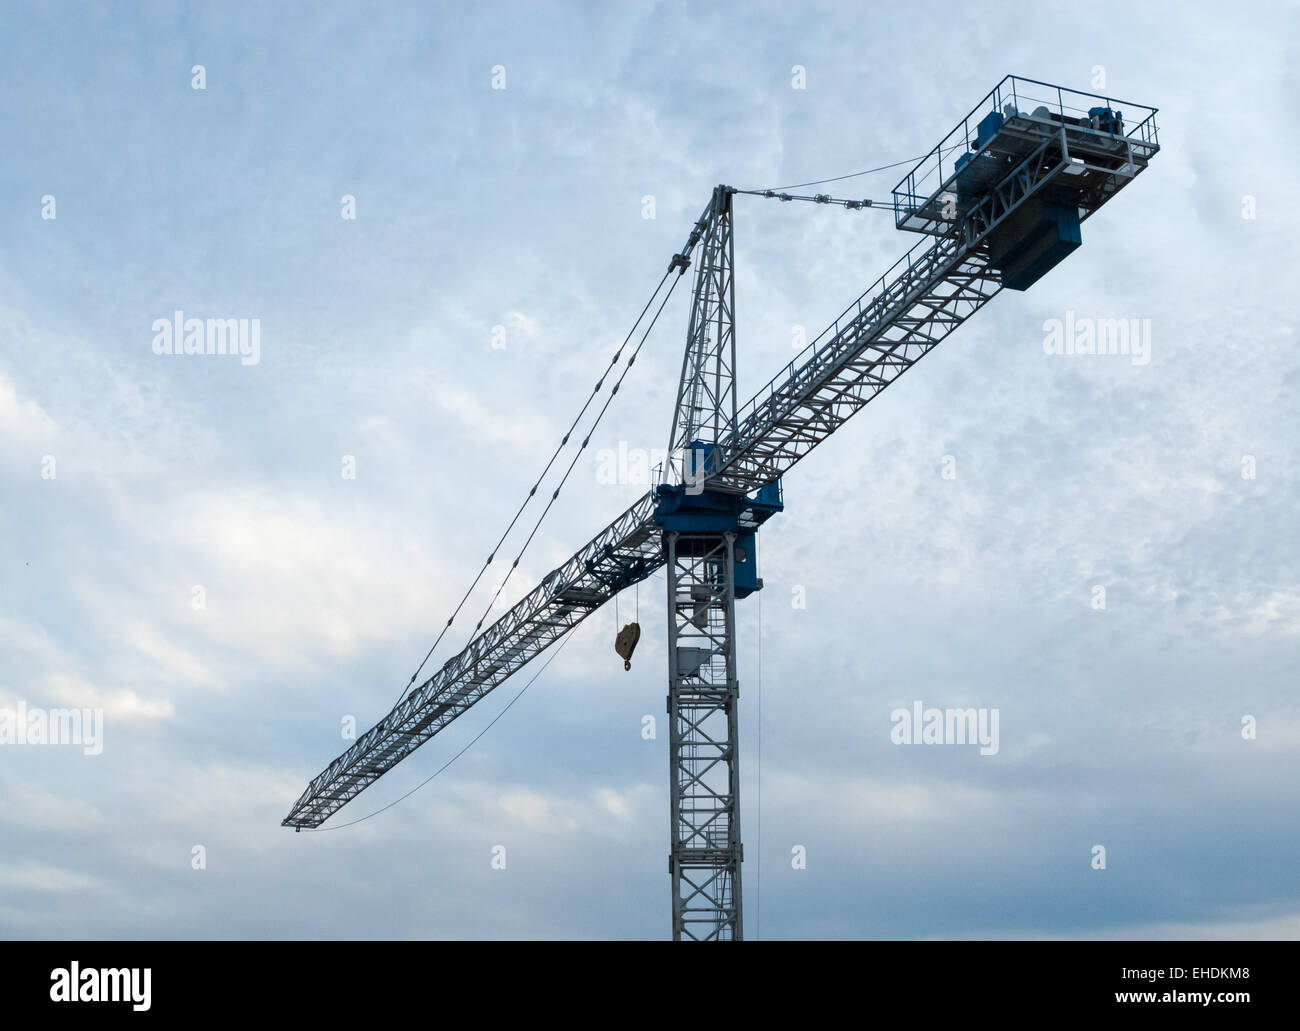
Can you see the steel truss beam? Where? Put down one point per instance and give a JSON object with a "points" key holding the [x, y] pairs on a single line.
{"points": [[703, 750], [928, 293]]}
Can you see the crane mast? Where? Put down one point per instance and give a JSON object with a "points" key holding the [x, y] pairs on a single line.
{"points": [[1035, 162], [705, 850]]}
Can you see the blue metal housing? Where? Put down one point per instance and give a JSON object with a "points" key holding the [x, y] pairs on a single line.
{"points": [[1106, 120], [689, 509], [1032, 241], [988, 128]]}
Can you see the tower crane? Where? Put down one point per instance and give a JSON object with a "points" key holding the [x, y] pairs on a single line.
{"points": [[998, 203]]}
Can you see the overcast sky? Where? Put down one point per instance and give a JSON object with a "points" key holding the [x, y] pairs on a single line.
{"points": [[134, 486]]}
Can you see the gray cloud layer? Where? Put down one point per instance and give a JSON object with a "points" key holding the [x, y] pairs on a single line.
{"points": [[522, 208]]}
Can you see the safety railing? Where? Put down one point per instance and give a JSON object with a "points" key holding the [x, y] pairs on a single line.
{"points": [[810, 359], [1013, 96]]}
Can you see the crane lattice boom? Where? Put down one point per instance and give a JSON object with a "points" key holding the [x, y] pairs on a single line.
{"points": [[625, 552]]}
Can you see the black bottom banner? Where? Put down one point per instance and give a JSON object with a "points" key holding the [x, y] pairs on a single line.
{"points": [[142, 981]]}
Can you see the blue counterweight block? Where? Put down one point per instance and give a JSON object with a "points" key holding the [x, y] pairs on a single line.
{"points": [[1033, 241]]}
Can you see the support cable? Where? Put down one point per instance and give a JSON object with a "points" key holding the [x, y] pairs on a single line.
{"points": [[823, 198], [581, 447], [556, 454], [854, 175], [352, 823]]}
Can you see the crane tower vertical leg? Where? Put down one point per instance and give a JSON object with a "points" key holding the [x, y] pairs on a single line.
{"points": [[704, 761]]}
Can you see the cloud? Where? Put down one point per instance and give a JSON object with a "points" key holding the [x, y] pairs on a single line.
{"points": [[317, 595], [44, 878], [29, 809], [22, 419]]}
